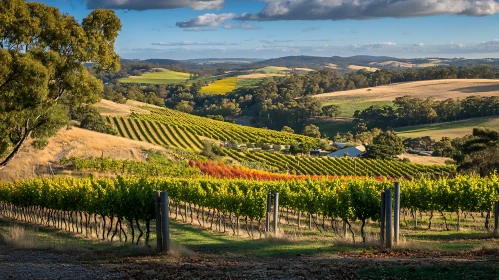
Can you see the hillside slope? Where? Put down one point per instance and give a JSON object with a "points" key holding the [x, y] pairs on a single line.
{"points": [[360, 99], [76, 142], [448, 129]]}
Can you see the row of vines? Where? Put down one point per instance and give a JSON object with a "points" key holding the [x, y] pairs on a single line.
{"points": [[327, 166], [219, 130], [131, 199]]}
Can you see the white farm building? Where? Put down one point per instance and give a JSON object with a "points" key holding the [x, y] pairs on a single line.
{"points": [[350, 151]]}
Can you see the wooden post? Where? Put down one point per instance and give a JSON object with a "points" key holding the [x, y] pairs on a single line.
{"points": [[157, 210], [382, 219], [269, 209], [388, 216], [396, 213], [496, 218], [276, 212], [165, 223]]}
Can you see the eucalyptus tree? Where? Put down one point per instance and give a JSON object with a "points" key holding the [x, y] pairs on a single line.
{"points": [[43, 53]]}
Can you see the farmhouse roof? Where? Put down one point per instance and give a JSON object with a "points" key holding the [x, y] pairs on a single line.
{"points": [[351, 151]]}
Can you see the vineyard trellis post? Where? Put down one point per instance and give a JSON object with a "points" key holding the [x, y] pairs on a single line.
{"points": [[388, 216], [269, 210], [165, 223], [276, 212], [496, 218], [382, 219], [157, 210], [396, 214]]}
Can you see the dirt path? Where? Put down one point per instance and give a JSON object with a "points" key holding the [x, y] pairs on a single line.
{"points": [[41, 264], [343, 266]]}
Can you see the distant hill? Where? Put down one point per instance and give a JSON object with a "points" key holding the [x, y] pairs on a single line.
{"points": [[163, 62], [342, 64], [222, 60], [317, 62]]}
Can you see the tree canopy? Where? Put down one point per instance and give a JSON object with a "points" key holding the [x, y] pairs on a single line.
{"points": [[385, 146], [478, 153], [42, 71]]}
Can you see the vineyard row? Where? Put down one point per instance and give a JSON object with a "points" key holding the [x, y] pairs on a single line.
{"points": [[350, 200]]}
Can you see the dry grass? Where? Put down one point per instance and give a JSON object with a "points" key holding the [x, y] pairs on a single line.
{"points": [[19, 237], [178, 251], [74, 142], [426, 160], [393, 63], [438, 89], [110, 108], [357, 67], [259, 75]]}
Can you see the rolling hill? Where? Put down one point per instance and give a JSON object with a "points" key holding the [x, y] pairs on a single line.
{"points": [[448, 129], [360, 99], [77, 142], [168, 127]]}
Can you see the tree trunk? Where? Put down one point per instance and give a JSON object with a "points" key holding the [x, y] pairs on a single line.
{"points": [[17, 148]]}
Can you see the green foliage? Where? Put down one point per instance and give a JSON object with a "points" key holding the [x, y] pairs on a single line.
{"points": [[312, 131], [155, 166], [349, 200], [409, 111], [386, 145], [40, 143], [324, 145], [332, 111], [287, 129], [478, 154], [327, 166], [42, 75], [97, 123], [210, 149]]}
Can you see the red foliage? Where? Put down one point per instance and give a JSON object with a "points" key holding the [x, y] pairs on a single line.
{"points": [[220, 170]]}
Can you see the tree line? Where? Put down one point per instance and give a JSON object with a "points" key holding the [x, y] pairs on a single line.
{"points": [[407, 111]]}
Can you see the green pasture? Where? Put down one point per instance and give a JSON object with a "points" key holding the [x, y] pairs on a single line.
{"points": [[163, 77], [449, 129]]}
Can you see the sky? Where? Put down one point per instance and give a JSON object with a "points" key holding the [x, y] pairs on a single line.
{"points": [[262, 29]]}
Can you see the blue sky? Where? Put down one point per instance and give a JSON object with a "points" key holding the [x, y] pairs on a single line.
{"points": [[185, 29]]}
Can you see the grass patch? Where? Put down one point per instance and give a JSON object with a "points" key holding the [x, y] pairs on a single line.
{"points": [[221, 86], [162, 77], [348, 106], [333, 127], [449, 129], [248, 82]]}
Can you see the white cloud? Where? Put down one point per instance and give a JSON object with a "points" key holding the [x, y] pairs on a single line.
{"points": [[185, 50], [206, 20], [366, 9], [188, 43], [242, 26]]}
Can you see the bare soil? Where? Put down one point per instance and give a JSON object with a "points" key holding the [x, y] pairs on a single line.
{"points": [[41, 264]]}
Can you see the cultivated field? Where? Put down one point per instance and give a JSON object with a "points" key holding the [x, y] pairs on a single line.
{"points": [[164, 76], [360, 99], [398, 64], [221, 86], [260, 75], [449, 129], [357, 67]]}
